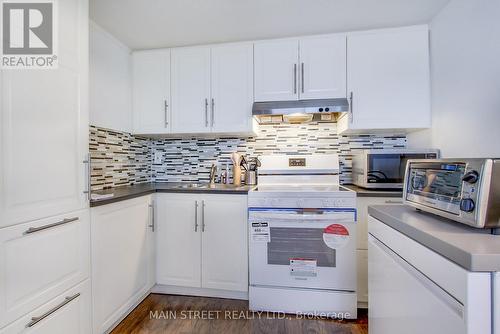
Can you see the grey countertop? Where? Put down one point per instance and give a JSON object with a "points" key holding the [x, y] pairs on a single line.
{"points": [[470, 248], [362, 192], [128, 192]]}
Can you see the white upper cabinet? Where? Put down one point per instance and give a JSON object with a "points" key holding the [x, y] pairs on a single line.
{"points": [[232, 88], [44, 128], [191, 90], [388, 77], [322, 67], [151, 92], [301, 69], [276, 70]]}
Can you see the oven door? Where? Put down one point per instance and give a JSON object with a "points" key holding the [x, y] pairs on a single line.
{"points": [[303, 248]]}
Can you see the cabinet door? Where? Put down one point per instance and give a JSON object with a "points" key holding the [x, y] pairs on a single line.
{"points": [[388, 75], [190, 90], [151, 243], [276, 70], [224, 242], [362, 270], [362, 204], [151, 91], [232, 88], [41, 260], [402, 299], [323, 67], [67, 313], [119, 259], [44, 128], [178, 243]]}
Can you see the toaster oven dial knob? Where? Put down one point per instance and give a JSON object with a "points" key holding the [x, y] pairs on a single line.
{"points": [[467, 205], [471, 177]]}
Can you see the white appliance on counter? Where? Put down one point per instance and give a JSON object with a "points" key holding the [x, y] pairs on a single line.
{"points": [[302, 238]]}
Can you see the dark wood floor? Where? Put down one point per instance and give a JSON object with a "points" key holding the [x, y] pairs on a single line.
{"points": [[157, 312]]}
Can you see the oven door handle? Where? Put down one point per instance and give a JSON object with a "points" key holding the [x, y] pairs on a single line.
{"points": [[310, 211]]}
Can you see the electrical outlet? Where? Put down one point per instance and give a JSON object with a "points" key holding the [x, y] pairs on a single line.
{"points": [[158, 157]]}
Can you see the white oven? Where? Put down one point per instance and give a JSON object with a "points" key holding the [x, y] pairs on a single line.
{"points": [[302, 238], [303, 248]]}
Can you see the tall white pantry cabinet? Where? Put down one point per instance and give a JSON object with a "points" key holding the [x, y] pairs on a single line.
{"points": [[44, 218]]}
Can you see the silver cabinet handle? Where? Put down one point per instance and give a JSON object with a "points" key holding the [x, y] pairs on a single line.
{"points": [[213, 113], [152, 206], [295, 78], [165, 107], [66, 301], [196, 216], [44, 227], [206, 113], [351, 109], [203, 216], [302, 76], [88, 190]]}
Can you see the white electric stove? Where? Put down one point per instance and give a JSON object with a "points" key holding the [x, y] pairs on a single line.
{"points": [[302, 238]]}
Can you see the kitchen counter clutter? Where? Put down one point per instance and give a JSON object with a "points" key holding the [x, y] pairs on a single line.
{"points": [[129, 192], [472, 249]]}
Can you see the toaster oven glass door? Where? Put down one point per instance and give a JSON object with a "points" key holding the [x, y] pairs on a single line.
{"points": [[436, 184]]}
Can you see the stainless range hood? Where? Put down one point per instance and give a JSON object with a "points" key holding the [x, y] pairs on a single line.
{"points": [[299, 111]]}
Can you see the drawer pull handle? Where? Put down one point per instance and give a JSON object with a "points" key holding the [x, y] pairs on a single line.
{"points": [[44, 227], [66, 301]]}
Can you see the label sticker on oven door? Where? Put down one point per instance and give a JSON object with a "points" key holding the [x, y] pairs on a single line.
{"points": [[335, 236], [303, 268], [260, 232]]}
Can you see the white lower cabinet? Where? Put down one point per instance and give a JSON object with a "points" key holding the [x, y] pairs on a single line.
{"points": [[414, 290], [202, 241], [122, 260], [362, 242], [362, 270], [224, 250], [178, 243], [40, 260], [68, 313]]}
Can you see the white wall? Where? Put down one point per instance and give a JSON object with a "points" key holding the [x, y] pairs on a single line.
{"points": [[465, 77], [110, 81]]}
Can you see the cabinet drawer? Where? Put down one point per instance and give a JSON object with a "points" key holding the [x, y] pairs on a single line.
{"points": [[67, 313], [40, 260]]}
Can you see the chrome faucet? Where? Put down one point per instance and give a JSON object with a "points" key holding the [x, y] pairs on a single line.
{"points": [[213, 172]]}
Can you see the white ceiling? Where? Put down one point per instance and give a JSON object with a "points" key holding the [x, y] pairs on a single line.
{"points": [[144, 24]]}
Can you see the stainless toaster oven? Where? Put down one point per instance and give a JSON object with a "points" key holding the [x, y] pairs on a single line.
{"points": [[385, 168], [464, 190]]}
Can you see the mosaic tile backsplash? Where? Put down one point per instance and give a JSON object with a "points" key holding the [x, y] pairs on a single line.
{"points": [[190, 159], [130, 159], [118, 159]]}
